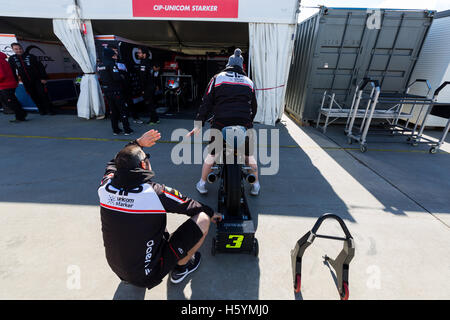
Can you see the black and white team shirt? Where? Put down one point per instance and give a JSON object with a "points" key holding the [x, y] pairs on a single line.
{"points": [[230, 98], [134, 217]]}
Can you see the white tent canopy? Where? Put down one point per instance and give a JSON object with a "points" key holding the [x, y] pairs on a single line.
{"points": [[271, 25], [263, 11], [83, 51], [271, 47]]}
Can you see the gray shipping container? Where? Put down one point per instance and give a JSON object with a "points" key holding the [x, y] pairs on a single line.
{"points": [[337, 47]]}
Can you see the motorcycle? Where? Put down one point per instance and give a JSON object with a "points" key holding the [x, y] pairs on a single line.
{"points": [[173, 92], [236, 232]]}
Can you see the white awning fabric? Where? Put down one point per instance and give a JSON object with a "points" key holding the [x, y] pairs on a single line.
{"points": [[82, 49], [263, 11], [271, 46]]}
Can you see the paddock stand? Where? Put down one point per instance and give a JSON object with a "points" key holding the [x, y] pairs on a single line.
{"points": [[236, 232], [340, 264]]}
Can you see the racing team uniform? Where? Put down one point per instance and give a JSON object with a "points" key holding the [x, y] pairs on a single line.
{"points": [[230, 97], [134, 216], [112, 81], [149, 83], [31, 72], [127, 90]]}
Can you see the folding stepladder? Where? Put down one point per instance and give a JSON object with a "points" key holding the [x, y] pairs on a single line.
{"points": [[340, 264]]}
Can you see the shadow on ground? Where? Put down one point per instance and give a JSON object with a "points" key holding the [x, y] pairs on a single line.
{"points": [[405, 171], [61, 171]]}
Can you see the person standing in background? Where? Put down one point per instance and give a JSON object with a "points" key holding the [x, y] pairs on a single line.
{"points": [[155, 78], [112, 82], [34, 78], [127, 90], [147, 75], [8, 85]]}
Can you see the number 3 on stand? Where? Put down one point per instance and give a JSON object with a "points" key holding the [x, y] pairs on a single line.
{"points": [[237, 241]]}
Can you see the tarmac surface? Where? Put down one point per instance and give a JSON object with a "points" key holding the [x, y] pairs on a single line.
{"points": [[394, 199]]}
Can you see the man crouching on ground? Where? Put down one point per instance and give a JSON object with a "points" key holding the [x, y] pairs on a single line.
{"points": [[133, 214]]}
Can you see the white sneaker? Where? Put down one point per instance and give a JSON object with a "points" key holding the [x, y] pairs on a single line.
{"points": [[201, 187], [254, 191]]}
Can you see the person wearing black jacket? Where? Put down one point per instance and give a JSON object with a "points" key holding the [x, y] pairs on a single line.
{"points": [[134, 215], [127, 90], [33, 76], [230, 98], [149, 77], [112, 82]]}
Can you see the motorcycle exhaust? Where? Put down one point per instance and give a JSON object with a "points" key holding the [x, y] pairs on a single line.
{"points": [[212, 177], [250, 178]]}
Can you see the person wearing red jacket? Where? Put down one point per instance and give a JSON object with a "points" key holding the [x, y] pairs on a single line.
{"points": [[8, 85]]}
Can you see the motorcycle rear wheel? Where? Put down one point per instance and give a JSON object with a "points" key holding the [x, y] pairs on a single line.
{"points": [[233, 178]]}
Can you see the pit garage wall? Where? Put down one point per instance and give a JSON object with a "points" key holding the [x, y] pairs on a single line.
{"points": [[5, 43]]}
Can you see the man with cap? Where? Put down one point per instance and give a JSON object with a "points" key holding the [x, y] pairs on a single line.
{"points": [[230, 98], [134, 211], [112, 82]]}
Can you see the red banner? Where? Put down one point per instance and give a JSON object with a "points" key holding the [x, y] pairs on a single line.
{"points": [[186, 8]]}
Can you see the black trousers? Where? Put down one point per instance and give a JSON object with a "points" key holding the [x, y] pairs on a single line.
{"points": [[150, 103], [118, 111], [132, 108], [38, 94], [8, 97]]}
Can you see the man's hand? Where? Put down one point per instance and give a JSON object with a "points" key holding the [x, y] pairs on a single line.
{"points": [[43, 81], [195, 131], [217, 217], [149, 138]]}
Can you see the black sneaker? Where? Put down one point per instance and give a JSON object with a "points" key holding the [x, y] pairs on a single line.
{"points": [[17, 120], [127, 133], [117, 132], [180, 272]]}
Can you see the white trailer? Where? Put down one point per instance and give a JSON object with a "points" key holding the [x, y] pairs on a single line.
{"points": [[434, 65]]}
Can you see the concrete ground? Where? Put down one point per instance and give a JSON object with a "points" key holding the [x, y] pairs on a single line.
{"points": [[394, 199]]}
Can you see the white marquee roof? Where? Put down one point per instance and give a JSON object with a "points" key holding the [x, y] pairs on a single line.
{"points": [[269, 11]]}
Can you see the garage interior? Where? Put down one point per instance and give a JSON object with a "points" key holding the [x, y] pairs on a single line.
{"points": [[198, 45]]}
